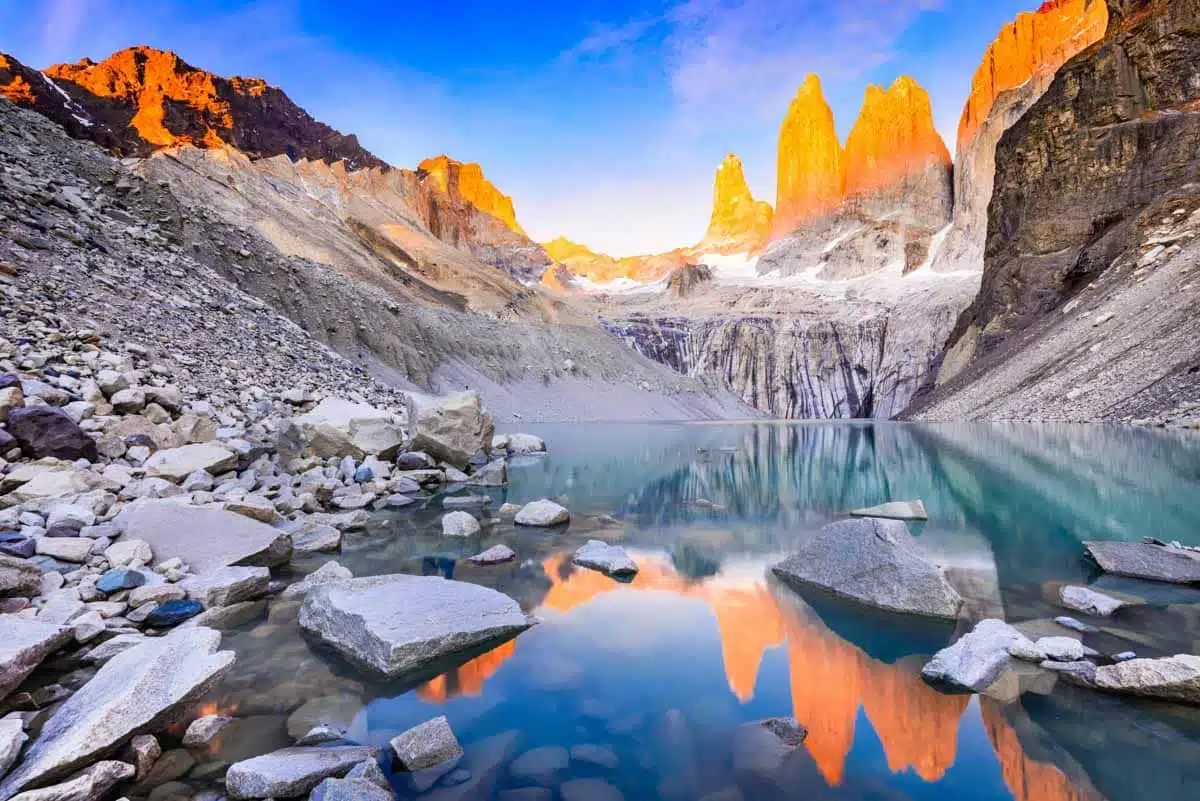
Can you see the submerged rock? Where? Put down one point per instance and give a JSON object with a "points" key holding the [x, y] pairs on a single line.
{"points": [[541, 765], [1146, 561], [544, 513], [606, 558], [396, 624], [133, 692], [424, 746], [895, 510], [589, 790], [874, 562], [977, 659], [1083, 599], [291, 772]]}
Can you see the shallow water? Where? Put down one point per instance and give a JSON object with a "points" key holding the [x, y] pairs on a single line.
{"points": [[659, 672]]}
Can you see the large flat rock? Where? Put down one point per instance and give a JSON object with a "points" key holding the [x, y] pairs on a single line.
{"points": [[450, 428], [204, 537], [1174, 678], [24, 644], [1145, 561], [135, 692], [291, 772], [895, 510], [396, 624], [176, 464], [338, 427], [874, 562], [978, 658]]}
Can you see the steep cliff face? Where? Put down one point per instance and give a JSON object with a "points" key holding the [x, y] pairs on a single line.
{"points": [[810, 177], [739, 223], [31, 89], [895, 161], [465, 183], [1014, 72], [152, 99], [1087, 308]]}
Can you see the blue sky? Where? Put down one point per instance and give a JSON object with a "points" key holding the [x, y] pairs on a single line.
{"points": [[604, 119]]}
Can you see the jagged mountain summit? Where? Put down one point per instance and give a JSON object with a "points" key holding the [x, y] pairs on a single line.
{"points": [[739, 223], [811, 180]]}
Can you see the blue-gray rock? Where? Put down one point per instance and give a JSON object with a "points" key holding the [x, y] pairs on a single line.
{"points": [[395, 624], [1084, 599], [874, 562], [14, 543], [589, 790], [364, 474], [172, 613], [1075, 625], [120, 578]]}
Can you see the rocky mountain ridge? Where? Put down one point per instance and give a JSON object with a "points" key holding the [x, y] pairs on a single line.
{"points": [[1087, 308]]}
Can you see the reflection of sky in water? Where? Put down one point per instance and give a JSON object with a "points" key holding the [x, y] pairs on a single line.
{"points": [[703, 631]]}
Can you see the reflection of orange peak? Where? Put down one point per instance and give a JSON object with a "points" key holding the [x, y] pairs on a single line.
{"points": [[465, 183], [1034, 44], [1027, 779], [469, 677]]}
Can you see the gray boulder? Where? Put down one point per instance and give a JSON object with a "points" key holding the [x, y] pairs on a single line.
{"points": [[977, 659], [350, 790], [338, 428], [396, 624], [12, 737], [1146, 561], [134, 692], [291, 772], [450, 429], [176, 464], [424, 746], [1083, 599], [606, 558], [224, 586], [543, 513], [19, 577], [1173, 678], [204, 537], [1060, 649], [24, 643], [895, 510], [874, 562], [90, 784]]}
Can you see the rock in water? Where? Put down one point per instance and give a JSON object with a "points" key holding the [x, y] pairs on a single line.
{"points": [[135, 691], [459, 524], [48, 431], [544, 513], [24, 643], [291, 772], [431, 743], [589, 790], [874, 562], [1175, 678], [978, 659], [396, 624], [451, 429], [895, 510], [350, 790], [205, 538], [1082, 599], [606, 558], [494, 555], [1145, 561]]}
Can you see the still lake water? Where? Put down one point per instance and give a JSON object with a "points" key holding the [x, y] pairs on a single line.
{"points": [[660, 672]]}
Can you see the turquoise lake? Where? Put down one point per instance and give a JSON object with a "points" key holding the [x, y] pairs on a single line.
{"points": [[657, 676]]}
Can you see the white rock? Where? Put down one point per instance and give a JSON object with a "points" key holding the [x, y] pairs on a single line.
{"points": [[450, 428], [176, 464], [224, 586], [1061, 649], [128, 551], [1084, 599], [977, 659], [338, 427], [606, 558], [459, 524], [895, 510], [66, 549], [543, 513]]}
